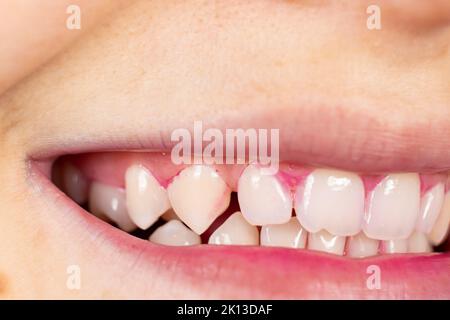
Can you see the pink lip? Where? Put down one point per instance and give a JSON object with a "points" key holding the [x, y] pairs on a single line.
{"points": [[317, 136], [251, 272]]}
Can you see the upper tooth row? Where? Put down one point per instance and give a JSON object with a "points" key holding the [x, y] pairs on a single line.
{"points": [[336, 201], [330, 200]]}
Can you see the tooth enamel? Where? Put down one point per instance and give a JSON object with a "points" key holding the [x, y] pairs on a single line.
{"points": [[331, 200], [198, 196], [418, 242], [395, 246], [175, 233], [110, 201], [441, 226], [236, 231], [360, 246], [263, 199], [75, 184], [393, 207], [147, 200], [290, 235], [326, 242], [430, 208]]}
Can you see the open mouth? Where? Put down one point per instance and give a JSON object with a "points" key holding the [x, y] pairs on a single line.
{"points": [[305, 232]]}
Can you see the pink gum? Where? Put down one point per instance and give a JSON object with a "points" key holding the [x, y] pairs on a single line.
{"points": [[110, 168]]}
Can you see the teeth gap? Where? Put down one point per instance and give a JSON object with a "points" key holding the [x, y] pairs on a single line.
{"points": [[444, 246], [83, 200]]}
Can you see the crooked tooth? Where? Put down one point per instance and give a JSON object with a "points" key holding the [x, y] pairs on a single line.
{"points": [[430, 208], [332, 200], [198, 195], [441, 226], [74, 183], [393, 207], [360, 246], [147, 200], [326, 242], [235, 231], [175, 233], [263, 199], [418, 242], [110, 201], [395, 246], [290, 235]]}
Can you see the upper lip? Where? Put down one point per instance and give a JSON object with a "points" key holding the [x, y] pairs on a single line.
{"points": [[312, 135]]}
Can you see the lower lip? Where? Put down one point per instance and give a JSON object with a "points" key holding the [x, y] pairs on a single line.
{"points": [[232, 272]]}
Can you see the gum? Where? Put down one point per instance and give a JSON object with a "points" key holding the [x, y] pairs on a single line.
{"points": [[110, 167]]}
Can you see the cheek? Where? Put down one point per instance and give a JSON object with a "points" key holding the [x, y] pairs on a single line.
{"points": [[35, 32]]}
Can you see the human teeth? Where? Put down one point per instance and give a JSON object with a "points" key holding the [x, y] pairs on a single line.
{"points": [[263, 199], [175, 233], [360, 246], [393, 207], [198, 196], [326, 242], [331, 200], [418, 242], [110, 201], [430, 208], [236, 231], [290, 235], [147, 200], [74, 183], [441, 226], [395, 246]]}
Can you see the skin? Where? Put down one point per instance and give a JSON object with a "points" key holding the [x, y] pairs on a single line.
{"points": [[137, 66]]}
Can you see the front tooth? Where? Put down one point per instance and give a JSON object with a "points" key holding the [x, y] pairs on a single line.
{"points": [[198, 196], [175, 233], [331, 200], [326, 242], [147, 200], [418, 242], [263, 199], [290, 235], [430, 208], [236, 231], [360, 246], [393, 207], [110, 201], [441, 226], [395, 246], [74, 183]]}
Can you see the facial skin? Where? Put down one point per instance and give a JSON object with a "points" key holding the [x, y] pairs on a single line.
{"points": [[138, 69]]}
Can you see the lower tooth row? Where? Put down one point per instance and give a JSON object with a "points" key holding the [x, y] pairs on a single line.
{"points": [[237, 231]]}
